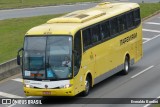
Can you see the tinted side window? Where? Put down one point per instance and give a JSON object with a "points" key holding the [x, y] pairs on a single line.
{"points": [[86, 38], [130, 21], [95, 34], [137, 18], [104, 30], [122, 23], [113, 26], [78, 52]]}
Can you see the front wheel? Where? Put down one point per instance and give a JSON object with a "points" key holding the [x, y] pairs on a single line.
{"points": [[126, 66], [87, 87]]}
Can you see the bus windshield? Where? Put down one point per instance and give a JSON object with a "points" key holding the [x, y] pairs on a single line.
{"points": [[47, 57]]}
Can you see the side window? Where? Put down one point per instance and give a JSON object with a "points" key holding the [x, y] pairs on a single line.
{"points": [[130, 21], [122, 23], [78, 52], [137, 18], [104, 30], [86, 38], [95, 34], [113, 26]]}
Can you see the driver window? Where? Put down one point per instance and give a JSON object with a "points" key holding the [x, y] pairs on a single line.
{"points": [[78, 52]]}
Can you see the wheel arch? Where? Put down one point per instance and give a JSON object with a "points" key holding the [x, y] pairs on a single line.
{"points": [[127, 55], [89, 74]]}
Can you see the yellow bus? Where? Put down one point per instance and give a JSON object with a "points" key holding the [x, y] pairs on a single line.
{"points": [[70, 54]]}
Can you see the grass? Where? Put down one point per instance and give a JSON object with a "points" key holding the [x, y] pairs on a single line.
{"points": [[4, 4], [12, 31], [156, 105], [149, 8]]}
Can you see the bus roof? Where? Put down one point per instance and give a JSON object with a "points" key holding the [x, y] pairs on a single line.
{"points": [[70, 23]]}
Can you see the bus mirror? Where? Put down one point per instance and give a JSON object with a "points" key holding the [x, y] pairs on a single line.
{"points": [[18, 57], [18, 60]]}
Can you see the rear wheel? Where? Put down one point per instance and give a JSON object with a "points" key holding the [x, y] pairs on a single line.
{"points": [[126, 66], [87, 87]]}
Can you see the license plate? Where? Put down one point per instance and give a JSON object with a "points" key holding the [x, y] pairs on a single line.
{"points": [[46, 92]]}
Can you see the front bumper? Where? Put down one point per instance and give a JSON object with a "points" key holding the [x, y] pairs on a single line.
{"points": [[53, 92]]}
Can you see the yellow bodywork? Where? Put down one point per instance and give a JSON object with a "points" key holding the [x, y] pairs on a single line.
{"points": [[99, 59]]}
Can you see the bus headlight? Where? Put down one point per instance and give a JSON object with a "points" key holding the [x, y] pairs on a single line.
{"points": [[28, 86], [66, 86]]}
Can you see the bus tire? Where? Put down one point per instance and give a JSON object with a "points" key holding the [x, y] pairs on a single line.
{"points": [[126, 66], [87, 87]]}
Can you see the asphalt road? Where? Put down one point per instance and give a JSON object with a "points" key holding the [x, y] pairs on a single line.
{"points": [[143, 81], [28, 12]]}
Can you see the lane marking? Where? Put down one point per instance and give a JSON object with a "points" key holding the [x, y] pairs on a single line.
{"points": [[18, 79], [152, 23], [9, 95], [147, 39], [151, 39], [147, 105], [142, 71], [149, 30]]}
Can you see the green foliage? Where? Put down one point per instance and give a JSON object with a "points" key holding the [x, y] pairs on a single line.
{"points": [[156, 105], [12, 33], [149, 8]]}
